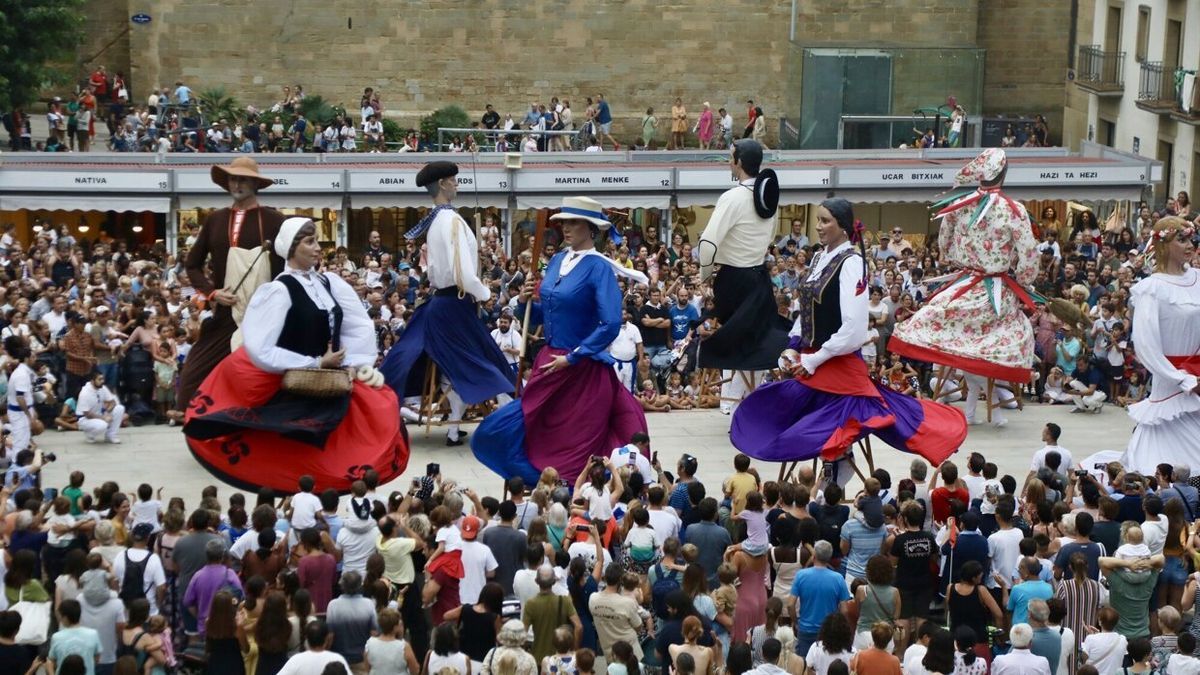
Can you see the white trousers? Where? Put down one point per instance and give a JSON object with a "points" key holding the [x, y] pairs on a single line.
{"points": [[96, 428], [1090, 402], [458, 408], [18, 422], [740, 384], [626, 372], [976, 384]]}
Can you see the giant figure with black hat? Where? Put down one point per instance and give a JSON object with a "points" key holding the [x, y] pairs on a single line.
{"points": [[235, 244], [447, 329], [733, 246]]}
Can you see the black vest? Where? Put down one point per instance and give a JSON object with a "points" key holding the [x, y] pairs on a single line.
{"points": [[821, 303], [306, 327]]}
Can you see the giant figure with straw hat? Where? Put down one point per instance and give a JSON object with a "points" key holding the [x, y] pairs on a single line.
{"points": [[447, 329], [574, 407], [234, 243], [975, 321]]}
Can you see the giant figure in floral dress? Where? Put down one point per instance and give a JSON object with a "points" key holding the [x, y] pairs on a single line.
{"points": [[975, 322]]}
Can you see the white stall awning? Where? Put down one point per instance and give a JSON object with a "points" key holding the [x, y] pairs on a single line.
{"points": [[90, 202], [400, 200], [610, 201], [331, 200]]}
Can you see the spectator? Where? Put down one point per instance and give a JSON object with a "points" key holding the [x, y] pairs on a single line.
{"points": [[206, 582], [1021, 661], [388, 652], [351, 620], [506, 540], [819, 591], [317, 655], [508, 657], [615, 615], [72, 639]]}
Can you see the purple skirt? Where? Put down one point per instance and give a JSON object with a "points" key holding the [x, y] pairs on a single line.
{"points": [[826, 413], [562, 419]]}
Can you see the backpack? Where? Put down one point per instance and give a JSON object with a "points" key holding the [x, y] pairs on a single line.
{"points": [[133, 585], [664, 584], [830, 522]]}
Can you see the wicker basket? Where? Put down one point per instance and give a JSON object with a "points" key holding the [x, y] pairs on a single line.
{"points": [[317, 382]]}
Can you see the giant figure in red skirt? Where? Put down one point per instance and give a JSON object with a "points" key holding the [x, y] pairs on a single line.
{"points": [[248, 432]]}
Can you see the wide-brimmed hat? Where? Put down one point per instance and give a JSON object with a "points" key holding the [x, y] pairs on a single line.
{"points": [[583, 208], [242, 166]]}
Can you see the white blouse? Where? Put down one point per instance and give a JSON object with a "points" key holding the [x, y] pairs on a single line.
{"points": [[440, 242], [269, 307], [1166, 322], [735, 235], [850, 337]]}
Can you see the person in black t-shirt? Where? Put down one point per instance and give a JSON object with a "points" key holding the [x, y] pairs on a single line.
{"points": [[14, 658], [655, 324], [491, 118], [912, 551]]}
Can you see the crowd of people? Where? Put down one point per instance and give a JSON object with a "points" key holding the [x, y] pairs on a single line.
{"points": [[635, 568], [173, 119]]}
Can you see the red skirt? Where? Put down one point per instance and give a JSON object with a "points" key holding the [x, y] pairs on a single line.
{"points": [[248, 433]]}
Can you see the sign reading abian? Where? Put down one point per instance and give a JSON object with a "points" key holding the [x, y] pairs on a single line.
{"points": [[13, 180], [285, 181], [593, 179], [405, 180]]}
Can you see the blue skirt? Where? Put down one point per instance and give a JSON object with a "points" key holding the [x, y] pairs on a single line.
{"points": [[447, 330]]}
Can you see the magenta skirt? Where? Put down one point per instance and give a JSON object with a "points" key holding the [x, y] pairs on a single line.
{"points": [[562, 420]]}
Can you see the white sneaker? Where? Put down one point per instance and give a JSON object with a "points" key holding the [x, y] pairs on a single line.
{"points": [[113, 441], [1000, 423], [725, 410]]}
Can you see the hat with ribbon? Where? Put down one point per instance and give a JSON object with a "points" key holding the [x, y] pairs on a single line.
{"points": [[287, 234], [583, 208], [243, 167], [986, 167]]}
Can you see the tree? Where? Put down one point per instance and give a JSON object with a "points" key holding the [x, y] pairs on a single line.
{"points": [[34, 35], [450, 117], [216, 105]]}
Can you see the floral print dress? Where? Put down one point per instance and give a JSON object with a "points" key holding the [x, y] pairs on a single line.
{"points": [[976, 322]]}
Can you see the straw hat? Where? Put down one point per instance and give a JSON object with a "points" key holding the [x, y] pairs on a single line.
{"points": [[583, 208], [243, 167]]}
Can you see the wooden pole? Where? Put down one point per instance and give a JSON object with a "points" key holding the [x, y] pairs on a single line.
{"points": [[539, 236]]}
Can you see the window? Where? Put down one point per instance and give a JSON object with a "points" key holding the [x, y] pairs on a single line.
{"points": [[1143, 33], [1108, 133], [1112, 30]]}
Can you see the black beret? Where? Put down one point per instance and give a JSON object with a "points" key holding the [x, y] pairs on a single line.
{"points": [[435, 171]]}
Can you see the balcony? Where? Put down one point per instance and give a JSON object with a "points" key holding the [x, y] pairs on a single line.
{"points": [[1101, 72], [1156, 88], [1192, 116]]}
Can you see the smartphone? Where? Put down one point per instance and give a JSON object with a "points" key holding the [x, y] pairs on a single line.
{"points": [[654, 457], [50, 493]]}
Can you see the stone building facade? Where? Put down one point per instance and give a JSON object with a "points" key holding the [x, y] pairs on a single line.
{"points": [[639, 53]]}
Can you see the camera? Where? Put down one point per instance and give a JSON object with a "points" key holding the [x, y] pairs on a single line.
{"points": [[1080, 473], [48, 457]]}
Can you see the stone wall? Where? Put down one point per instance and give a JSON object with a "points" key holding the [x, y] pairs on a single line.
{"points": [[640, 53], [1027, 43]]}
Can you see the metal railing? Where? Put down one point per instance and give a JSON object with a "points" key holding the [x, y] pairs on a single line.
{"points": [[512, 137], [1099, 69], [1156, 85]]}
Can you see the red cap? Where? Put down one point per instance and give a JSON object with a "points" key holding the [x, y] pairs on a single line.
{"points": [[470, 527]]}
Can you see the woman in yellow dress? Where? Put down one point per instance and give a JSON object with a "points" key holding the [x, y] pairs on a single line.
{"points": [[678, 125]]}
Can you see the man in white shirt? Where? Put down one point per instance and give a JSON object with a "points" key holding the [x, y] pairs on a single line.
{"points": [[636, 455], [312, 661], [627, 351], [1021, 661], [446, 330], [154, 579], [663, 519], [1004, 545], [479, 564], [305, 506], [56, 318], [100, 414], [1050, 435], [508, 339], [732, 247]]}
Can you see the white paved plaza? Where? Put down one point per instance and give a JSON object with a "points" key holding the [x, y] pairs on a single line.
{"points": [[158, 455]]}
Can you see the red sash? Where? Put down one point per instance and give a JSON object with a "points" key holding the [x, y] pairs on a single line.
{"points": [[1188, 364]]}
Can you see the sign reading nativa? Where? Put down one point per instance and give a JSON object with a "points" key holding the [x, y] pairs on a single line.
{"points": [[566, 180], [83, 181]]}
